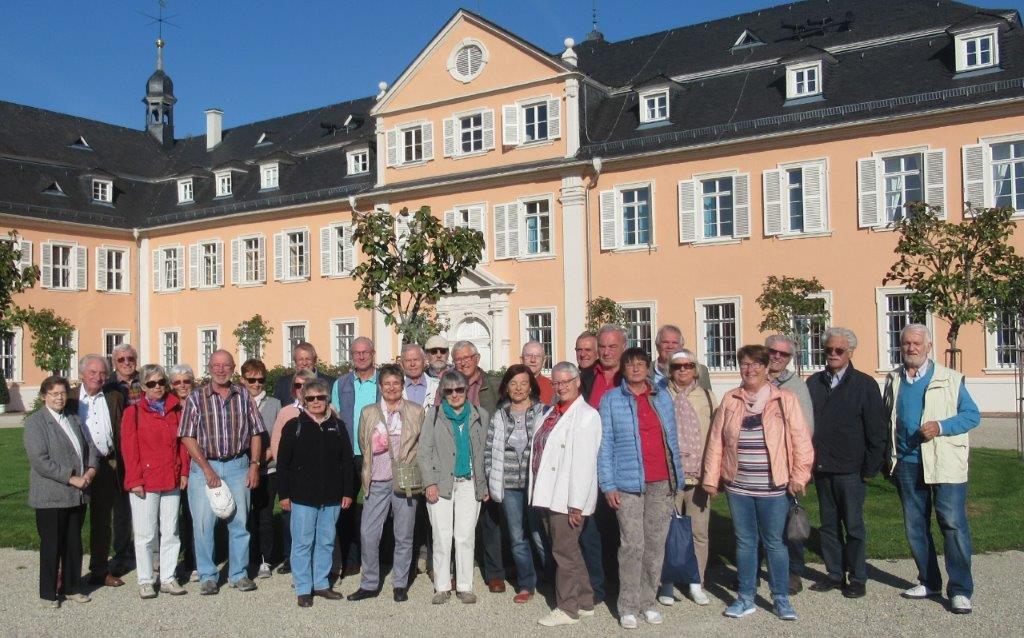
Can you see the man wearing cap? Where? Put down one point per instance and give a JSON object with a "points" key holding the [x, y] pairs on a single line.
{"points": [[437, 356]]}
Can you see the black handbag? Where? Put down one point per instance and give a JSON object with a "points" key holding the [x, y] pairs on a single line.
{"points": [[798, 524]]}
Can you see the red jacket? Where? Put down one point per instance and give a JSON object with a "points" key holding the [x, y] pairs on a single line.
{"points": [[154, 456]]}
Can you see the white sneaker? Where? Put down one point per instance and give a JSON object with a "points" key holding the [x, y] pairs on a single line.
{"points": [[194, 576], [668, 601], [960, 604], [919, 591], [698, 595], [653, 617], [557, 618], [264, 571], [586, 613], [628, 622], [146, 592]]}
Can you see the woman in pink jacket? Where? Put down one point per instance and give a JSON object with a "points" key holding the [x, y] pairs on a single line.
{"points": [[156, 469], [759, 449]]}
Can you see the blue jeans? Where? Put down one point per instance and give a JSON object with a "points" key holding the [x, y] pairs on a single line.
{"points": [[312, 546], [523, 529], [232, 473], [764, 518], [950, 502]]}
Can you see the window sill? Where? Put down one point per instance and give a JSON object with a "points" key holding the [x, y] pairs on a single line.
{"points": [[538, 257], [800, 100], [636, 249], [725, 241], [268, 189], [187, 202], [52, 289], [115, 292], [975, 72], [213, 287], [999, 371], [250, 284], [459, 156], [100, 202], [225, 196], [788, 236], [888, 228], [293, 280], [405, 165], [343, 275], [649, 124], [169, 291], [534, 143]]}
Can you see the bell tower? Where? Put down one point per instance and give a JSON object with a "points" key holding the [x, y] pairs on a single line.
{"points": [[160, 101]]}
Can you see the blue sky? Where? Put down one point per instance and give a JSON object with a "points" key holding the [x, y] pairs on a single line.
{"points": [[257, 59]]}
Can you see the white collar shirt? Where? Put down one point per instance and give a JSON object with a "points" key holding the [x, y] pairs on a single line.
{"points": [[94, 413]]}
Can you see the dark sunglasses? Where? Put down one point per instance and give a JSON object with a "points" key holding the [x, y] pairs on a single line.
{"points": [[154, 384], [315, 397], [182, 382], [298, 384], [779, 353], [836, 351], [682, 366], [126, 359], [438, 351], [255, 379], [450, 391]]}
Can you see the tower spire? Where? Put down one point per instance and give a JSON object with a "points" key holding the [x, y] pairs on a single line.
{"points": [[595, 35], [159, 54]]}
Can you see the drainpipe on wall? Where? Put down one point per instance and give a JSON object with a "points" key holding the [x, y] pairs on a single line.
{"points": [[596, 164]]}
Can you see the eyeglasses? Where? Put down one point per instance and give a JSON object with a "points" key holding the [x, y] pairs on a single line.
{"points": [[836, 351], [57, 394], [533, 356], [751, 365], [298, 384], [125, 359], [465, 359], [177, 382], [682, 366], [255, 380], [438, 351], [779, 353], [155, 383], [450, 391], [562, 384], [315, 397]]}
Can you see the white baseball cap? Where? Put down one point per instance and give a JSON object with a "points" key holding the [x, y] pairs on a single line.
{"points": [[221, 502]]}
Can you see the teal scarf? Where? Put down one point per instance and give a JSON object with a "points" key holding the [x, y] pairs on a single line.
{"points": [[460, 432]]}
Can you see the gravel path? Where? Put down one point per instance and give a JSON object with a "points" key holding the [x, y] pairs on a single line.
{"points": [[271, 611]]}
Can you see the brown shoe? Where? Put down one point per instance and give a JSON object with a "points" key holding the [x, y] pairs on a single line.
{"points": [[305, 600], [107, 580], [496, 586], [329, 594]]}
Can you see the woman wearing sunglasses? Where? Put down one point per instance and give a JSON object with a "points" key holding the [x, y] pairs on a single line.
{"points": [[156, 467], [451, 460], [694, 407]]}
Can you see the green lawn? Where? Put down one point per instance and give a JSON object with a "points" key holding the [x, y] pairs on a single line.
{"points": [[995, 507]]}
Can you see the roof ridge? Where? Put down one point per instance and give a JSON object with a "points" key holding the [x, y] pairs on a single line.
{"points": [[71, 116], [297, 113]]}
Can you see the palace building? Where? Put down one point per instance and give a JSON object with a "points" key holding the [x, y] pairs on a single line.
{"points": [[671, 172]]}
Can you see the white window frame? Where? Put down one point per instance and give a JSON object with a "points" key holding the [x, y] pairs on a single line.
{"points": [[103, 270], [181, 271], [524, 253], [793, 72], [871, 172], [243, 281], [395, 140], [652, 95], [992, 365], [357, 161], [457, 223], [648, 304], [186, 191], [73, 266], [523, 108], [197, 270], [882, 328], [785, 229], [337, 356], [286, 345], [699, 305], [619, 220], [17, 355], [452, 64], [513, 121], [103, 191], [126, 337], [403, 159], [201, 357], [524, 330], [826, 296], [282, 241], [164, 332], [224, 182], [270, 176], [332, 260], [73, 363], [963, 39], [987, 170]]}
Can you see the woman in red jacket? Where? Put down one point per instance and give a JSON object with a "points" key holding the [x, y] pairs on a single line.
{"points": [[156, 469]]}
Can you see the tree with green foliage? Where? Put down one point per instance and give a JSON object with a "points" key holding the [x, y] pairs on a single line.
{"points": [[51, 338], [953, 268], [252, 335], [14, 278], [790, 307], [601, 311], [410, 261]]}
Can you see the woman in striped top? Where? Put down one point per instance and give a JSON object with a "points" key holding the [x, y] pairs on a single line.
{"points": [[760, 449]]}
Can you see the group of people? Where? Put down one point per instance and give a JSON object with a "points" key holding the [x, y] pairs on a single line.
{"points": [[555, 469]]}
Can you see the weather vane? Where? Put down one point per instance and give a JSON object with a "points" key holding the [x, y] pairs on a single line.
{"points": [[160, 19]]}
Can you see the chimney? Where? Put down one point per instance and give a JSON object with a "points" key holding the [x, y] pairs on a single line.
{"points": [[214, 126]]}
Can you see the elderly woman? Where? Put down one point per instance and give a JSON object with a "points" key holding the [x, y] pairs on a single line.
{"points": [[507, 464], [563, 483], [760, 449], [156, 467], [390, 432], [314, 481], [183, 381], [694, 407], [639, 472], [261, 514], [451, 461], [62, 462]]}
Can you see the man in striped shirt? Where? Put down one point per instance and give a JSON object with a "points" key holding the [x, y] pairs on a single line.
{"points": [[221, 428]]}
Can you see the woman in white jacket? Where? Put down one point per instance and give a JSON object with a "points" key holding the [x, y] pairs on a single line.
{"points": [[563, 481]]}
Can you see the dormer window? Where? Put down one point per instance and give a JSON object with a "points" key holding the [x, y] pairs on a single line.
{"points": [[803, 80], [54, 189], [186, 195], [747, 39], [269, 176], [654, 106], [81, 144], [977, 50], [358, 161], [223, 179], [264, 138], [102, 191]]}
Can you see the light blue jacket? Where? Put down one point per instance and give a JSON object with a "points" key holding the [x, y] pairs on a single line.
{"points": [[620, 465]]}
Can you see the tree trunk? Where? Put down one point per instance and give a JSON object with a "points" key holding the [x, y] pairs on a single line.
{"points": [[953, 358]]}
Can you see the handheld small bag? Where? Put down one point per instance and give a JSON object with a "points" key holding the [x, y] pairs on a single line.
{"points": [[798, 524], [680, 565], [406, 477]]}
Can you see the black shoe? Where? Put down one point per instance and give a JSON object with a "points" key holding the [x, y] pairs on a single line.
{"points": [[285, 568], [795, 584], [328, 593], [826, 585], [305, 600], [362, 594], [854, 590], [401, 594]]}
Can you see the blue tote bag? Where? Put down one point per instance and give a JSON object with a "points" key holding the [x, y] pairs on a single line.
{"points": [[680, 565]]}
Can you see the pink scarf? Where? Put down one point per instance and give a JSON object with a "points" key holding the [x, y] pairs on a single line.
{"points": [[755, 401], [691, 448]]}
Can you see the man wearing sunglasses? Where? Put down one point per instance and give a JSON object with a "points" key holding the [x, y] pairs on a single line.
{"points": [[849, 447], [303, 358], [437, 357], [126, 374]]}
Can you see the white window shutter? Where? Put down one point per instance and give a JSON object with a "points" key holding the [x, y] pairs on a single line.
{"points": [[554, 119], [308, 250], [428, 141], [236, 257], [772, 187], [278, 256], [501, 231], [126, 269], [180, 250], [935, 180], [449, 136], [193, 266], [46, 265], [868, 198], [81, 268], [487, 117], [609, 220], [326, 250], [515, 215], [741, 205], [101, 268], [401, 230], [975, 188], [158, 271], [476, 222], [348, 256], [510, 125], [26, 254], [815, 200], [449, 218], [688, 211], [218, 271], [262, 261], [392, 141]]}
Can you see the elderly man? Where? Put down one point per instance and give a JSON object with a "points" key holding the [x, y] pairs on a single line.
{"points": [[780, 354], [353, 392], [930, 413], [667, 342], [223, 432], [483, 393], [533, 357], [303, 358], [437, 356], [420, 388], [126, 375], [586, 350], [100, 413], [849, 447]]}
